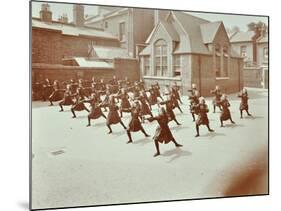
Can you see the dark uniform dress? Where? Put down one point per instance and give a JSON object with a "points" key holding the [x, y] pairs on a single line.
{"points": [[153, 97], [225, 114], [67, 98], [175, 91], [163, 133], [113, 115], [169, 109], [144, 107], [202, 115], [217, 98], [79, 104], [56, 95], [194, 101], [244, 101], [95, 112], [135, 124], [125, 104]]}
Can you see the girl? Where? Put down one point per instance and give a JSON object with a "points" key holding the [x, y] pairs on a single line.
{"points": [[244, 102], [225, 114], [135, 124], [113, 115], [163, 133], [202, 116]]}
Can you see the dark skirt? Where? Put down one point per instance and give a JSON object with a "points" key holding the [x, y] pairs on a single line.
{"points": [[171, 115], [78, 107], [152, 99], [225, 115], [125, 105], [113, 117], [145, 109], [55, 96], [95, 113], [243, 106], [67, 101], [202, 119], [163, 135], [135, 125]]}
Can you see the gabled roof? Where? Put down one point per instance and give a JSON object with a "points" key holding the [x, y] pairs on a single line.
{"points": [[191, 26], [168, 28], [242, 37], [69, 29], [102, 52], [209, 31], [83, 62]]}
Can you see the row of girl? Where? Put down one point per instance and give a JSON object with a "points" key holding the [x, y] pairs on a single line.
{"points": [[113, 97]]}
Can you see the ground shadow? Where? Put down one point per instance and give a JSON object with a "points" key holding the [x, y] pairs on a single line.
{"points": [[175, 154], [119, 133], [24, 205], [143, 141], [178, 127], [212, 135], [253, 117], [99, 124], [81, 117], [232, 125]]}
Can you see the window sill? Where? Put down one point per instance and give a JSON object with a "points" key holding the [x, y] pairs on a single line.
{"points": [[222, 78], [162, 77]]}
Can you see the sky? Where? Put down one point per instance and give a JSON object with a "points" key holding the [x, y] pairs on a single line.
{"points": [[229, 20]]}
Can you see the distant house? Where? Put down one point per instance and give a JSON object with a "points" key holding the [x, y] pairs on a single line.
{"points": [[130, 25], [186, 49], [62, 50], [253, 47]]}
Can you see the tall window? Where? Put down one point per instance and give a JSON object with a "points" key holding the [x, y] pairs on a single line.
{"points": [[146, 65], [161, 64], [265, 53], [177, 65], [218, 60], [243, 51], [221, 60], [225, 62], [122, 31]]}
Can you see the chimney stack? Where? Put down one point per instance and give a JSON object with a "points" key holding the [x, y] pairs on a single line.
{"points": [[78, 15], [63, 18], [45, 13]]}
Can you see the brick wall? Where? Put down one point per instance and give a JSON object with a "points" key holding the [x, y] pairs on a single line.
{"points": [[50, 46], [46, 46]]}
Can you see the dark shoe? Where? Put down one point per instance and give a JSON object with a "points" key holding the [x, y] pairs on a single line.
{"points": [[232, 122], [156, 154], [88, 125], [146, 135], [178, 145], [73, 117], [109, 132], [129, 142], [221, 126], [197, 135], [241, 117], [211, 130]]}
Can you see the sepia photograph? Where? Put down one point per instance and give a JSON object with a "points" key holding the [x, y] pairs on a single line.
{"points": [[134, 105]]}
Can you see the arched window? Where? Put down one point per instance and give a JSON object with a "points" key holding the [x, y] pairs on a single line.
{"points": [[160, 55]]}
